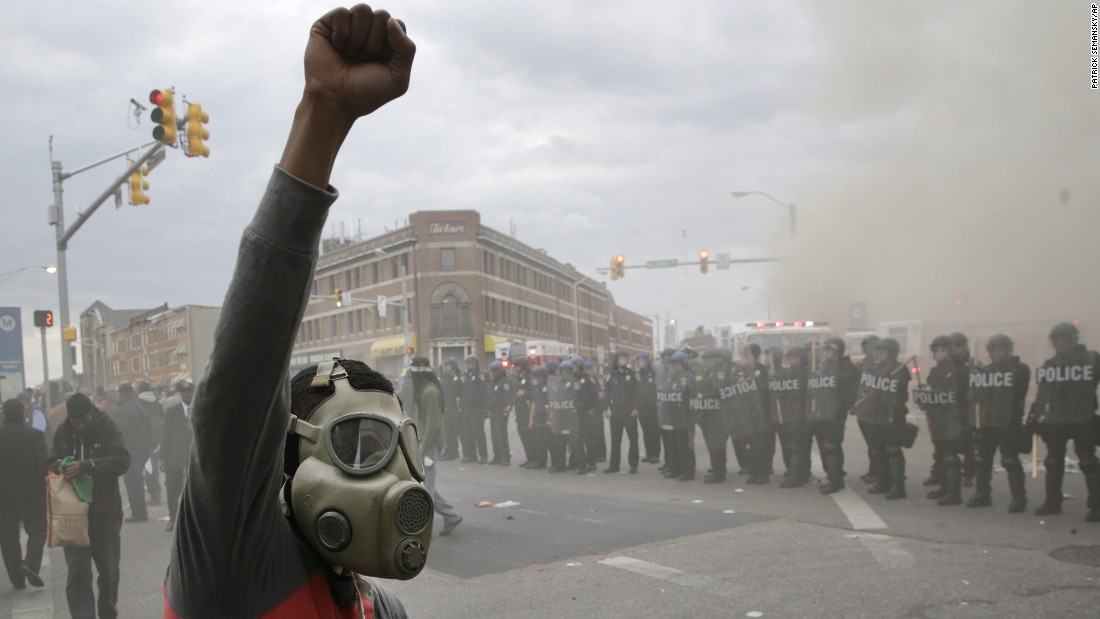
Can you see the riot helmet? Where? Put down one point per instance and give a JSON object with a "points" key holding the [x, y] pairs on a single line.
{"points": [[835, 343], [941, 341], [890, 347], [868, 343], [1000, 341]]}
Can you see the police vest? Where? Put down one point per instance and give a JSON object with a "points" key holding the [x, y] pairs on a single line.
{"points": [[563, 405], [823, 391], [744, 408], [1067, 387], [997, 393]]}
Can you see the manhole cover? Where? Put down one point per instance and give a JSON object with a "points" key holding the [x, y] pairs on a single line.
{"points": [[1085, 555]]}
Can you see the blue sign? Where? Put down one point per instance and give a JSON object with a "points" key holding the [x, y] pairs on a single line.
{"points": [[11, 352]]}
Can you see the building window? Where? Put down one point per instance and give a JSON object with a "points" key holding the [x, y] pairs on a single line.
{"points": [[374, 272], [447, 259]]}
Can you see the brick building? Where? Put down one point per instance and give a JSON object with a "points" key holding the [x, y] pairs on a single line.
{"points": [[163, 345], [470, 288]]}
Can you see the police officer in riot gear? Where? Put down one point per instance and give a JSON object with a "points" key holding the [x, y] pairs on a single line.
{"points": [[742, 393], [538, 418], [672, 413], [831, 389], [590, 415], [451, 383], [472, 406], [997, 394], [1065, 410], [622, 403], [666, 362], [523, 388], [708, 411], [866, 365], [499, 403], [940, 402], [564, 423], [647, 407], [960, 354], [788, 389], [884, 390]]}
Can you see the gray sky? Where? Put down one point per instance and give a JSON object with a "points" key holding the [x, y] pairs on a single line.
{"points": [[597, 128]]}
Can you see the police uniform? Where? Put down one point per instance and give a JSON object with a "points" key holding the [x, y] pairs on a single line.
{"points": [[1064, 409], [523, 386], [590, 413], [564, 421], [939, 400], [742, 393], [647, 408], [996, 411], [884, 391], [707, 410], [472, 406], [672, 414], [788, 390], [831, 389], [499, 404], [451, 383], [539, 420], [622, 401]]}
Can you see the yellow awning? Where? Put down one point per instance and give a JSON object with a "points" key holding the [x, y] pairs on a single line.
{"points": [[491, 342], [390, 347]]}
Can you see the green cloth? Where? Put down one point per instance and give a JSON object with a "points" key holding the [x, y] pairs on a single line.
{"points": [[82, 483]]}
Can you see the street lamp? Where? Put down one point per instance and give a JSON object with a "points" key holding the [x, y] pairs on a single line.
{"points": [[790, 207], [49, 268], [767, 293]]}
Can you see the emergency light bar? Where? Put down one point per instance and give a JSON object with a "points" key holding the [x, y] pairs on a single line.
{"points": [[781, 323]]}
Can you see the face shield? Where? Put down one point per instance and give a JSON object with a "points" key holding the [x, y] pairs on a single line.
{"points": [[356, 495]]}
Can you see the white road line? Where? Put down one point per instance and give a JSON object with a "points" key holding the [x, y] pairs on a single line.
{"points": [[653, 570], [886, 550], [855, 509]]}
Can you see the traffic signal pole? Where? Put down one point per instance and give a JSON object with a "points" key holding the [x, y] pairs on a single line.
{"points": [[57, 219], [45, 371]]}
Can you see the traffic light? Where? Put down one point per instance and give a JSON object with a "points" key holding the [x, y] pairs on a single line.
{"points": [[617, 269], [164, 116], [43, 318], [138, 185], [704, 261], [339, 298], [196, 131]]}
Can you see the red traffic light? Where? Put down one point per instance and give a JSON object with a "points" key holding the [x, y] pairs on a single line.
{"points": [[156, 97], [620, 259]]}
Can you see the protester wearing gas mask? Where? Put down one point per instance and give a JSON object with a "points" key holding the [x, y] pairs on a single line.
{"points": [[331, 444]]}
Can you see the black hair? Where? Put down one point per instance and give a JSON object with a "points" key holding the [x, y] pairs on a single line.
{"points": [[303, 399], [13, 410]]}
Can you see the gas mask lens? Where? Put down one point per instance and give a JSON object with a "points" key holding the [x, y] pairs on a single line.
{"points": [[362, 443]]}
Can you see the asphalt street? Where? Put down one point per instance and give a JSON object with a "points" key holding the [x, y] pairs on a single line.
{"points": [[624, 545]]}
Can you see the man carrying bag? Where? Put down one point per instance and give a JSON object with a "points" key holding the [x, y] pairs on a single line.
{"points": [[96, 447]]}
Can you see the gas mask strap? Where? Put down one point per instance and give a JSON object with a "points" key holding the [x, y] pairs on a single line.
{"points": [[324, 375]]}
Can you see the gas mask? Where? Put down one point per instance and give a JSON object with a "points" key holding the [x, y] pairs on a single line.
{"points": [[356, 495]]}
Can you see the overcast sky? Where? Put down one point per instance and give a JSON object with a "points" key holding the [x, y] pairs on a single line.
{"points": [[595, 127]]}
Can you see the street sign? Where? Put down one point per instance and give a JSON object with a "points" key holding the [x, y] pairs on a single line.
{"points": [[723, 261], [381, 306], [662, 264], [11, 352]]}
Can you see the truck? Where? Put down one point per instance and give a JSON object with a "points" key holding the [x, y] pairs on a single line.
{"points": [[779, 334]]}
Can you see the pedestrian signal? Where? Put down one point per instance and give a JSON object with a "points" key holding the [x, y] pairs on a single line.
{"points": [[43, 318]]}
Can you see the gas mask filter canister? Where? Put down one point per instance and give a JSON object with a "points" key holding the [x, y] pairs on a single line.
{"points": [[356, 495]]}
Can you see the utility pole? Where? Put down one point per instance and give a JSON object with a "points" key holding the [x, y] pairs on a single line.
{"points": [[45, 370], [57, 219]]}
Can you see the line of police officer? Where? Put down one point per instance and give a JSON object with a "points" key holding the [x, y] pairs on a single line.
{"points": [[800, 395]]}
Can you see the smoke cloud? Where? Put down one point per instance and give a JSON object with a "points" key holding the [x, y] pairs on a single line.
{"points": [[976, 198]]}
